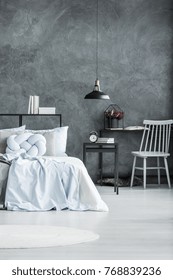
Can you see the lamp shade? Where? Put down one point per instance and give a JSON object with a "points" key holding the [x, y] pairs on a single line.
{"points": [[96, 93]]}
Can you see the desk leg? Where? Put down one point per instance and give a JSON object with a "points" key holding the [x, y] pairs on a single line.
{"points": [[84, 155], [101, 167], [116, 176]]}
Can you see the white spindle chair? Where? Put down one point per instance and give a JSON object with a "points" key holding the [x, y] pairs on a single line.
{"points": [[154, 144]]}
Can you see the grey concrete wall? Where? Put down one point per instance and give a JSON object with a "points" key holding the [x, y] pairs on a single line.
{"points": [[47, 48]]}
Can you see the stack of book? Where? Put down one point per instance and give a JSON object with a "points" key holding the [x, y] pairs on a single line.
{"points": [[105, 140], [33, 105], [47, 110]]}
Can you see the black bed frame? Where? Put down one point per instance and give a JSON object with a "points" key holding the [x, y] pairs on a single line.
{"points": [[20, 116]]}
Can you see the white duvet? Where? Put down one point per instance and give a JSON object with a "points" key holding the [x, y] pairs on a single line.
{"points": [[45, 183]]}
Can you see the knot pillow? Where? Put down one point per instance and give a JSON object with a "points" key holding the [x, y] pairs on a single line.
{"points": [[29, 143]]}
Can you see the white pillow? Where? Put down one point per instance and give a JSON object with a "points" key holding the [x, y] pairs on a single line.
{"points": [[5, 133], [56, 140], [19, 128], [29, 143]]}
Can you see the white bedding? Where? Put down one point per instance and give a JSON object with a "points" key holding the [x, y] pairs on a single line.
{"points": [[45, 183], [4, 168]]}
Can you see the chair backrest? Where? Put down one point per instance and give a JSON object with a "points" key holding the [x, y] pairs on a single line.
{"points": [[156, 136]]}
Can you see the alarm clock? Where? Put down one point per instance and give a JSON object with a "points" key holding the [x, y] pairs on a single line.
{"points": [[93, 137]]}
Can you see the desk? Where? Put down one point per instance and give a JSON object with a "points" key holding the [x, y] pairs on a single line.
{"points": [[128, 140], [126, 129], [103, 148]]}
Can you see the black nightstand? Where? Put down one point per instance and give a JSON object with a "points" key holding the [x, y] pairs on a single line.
{"points": [[103, 148]]}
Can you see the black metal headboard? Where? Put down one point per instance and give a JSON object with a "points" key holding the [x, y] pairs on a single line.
{"points": [[20, 116]]}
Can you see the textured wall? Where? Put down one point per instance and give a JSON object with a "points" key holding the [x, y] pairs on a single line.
{"points": [[47, 48]]}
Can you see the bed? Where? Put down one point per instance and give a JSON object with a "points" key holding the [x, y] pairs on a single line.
{"points": [[52, 181]]}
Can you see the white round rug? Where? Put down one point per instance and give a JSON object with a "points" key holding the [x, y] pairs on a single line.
{"points": [[34, 236]]}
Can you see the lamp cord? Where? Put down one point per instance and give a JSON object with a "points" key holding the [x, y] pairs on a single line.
{"points": [[97, 37]]}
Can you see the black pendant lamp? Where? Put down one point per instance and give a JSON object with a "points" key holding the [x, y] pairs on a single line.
{"points": [[97, 93]]}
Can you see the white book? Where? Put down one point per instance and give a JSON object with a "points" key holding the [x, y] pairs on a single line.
{"points": [[105, 140], [47, 110], [35, 104], [30, 105]]}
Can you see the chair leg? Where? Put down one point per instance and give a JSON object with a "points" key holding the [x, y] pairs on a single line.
{"points": [[133, 172], [167, 171], [158, 170], [144, 173]]}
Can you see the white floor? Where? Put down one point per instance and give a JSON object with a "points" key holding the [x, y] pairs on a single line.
{"points": [[139, 225]]}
